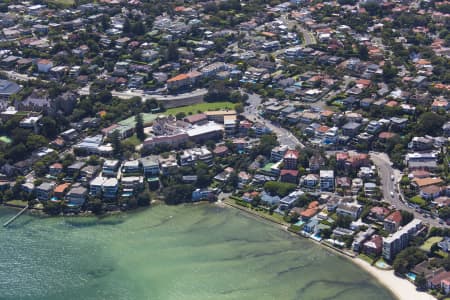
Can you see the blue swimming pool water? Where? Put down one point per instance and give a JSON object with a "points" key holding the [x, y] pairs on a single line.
{"points": [[411, 276], [299, 223]]}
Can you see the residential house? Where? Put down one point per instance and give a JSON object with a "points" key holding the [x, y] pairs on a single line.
{"points": [[110, 188], [55, 169], [393, 222], [45, 191], [269, 200], [378, 213], [75, 169], [202, 194], [374, 246], [288, 201], [290, 176], [351, 129], [290, 159], [349, 209], [60, 190], [316, 162], [278, 153], [77, 196], [110, 168], [326, 180], [131, 167], [310, 180], [44, 65], [88, 172], [150, 165]]}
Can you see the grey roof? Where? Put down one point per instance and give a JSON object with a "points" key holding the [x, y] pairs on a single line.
{"points": [[351, 125], [76, 165], [7, 88], [149, 161]]}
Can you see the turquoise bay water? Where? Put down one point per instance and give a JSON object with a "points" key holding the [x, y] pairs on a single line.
{"points": [[183, 252]]}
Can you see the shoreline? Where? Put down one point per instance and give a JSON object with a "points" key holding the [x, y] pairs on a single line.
{"points": [[400, 288]]}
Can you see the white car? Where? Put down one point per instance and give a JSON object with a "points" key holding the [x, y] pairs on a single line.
{"points": [[392, 194]]}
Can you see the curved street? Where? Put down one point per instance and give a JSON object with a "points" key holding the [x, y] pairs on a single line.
{"points": [[385, 170]]}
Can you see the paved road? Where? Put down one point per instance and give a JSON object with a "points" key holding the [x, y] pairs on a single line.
{"points": [[284, 136], [127, 94], [20, 77], [308, 37], [385, 170]]}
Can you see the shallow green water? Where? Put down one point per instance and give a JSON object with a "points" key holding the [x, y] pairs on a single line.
{"points": [[182, 253]]}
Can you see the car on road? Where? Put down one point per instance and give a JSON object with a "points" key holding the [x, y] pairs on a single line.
{"points": [[441, 222], [392, 194], [392, 177]]}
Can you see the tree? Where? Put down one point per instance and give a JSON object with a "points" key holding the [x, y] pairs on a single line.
{"points": [[266, 144], [343, 221], [430, 123], [407, 259], [363, 52], [52, 208], [172, 52], [279, 188], [389, 71], [239, 108], [144, 198], [421, 281], [444, 213], [178, 193], [49, 128], [140, 127], [117, 146], [95, 205], [406, 217]]}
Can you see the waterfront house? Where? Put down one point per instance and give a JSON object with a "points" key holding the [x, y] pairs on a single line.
{"points": [[150, 165], [202, 194], [374, 246], [45, 191], [269, 200], [77, 196], [110, 188]]}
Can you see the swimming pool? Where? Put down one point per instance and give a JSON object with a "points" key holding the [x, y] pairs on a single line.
{"points": [[299, 223], [382, 265], [411, 276]]}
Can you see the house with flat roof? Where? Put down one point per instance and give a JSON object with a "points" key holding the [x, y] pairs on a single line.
{"points": [[45, 191], [150, 166], [110, 168]]}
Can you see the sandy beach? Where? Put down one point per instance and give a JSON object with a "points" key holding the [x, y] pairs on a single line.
{"points": [[401, 288]]}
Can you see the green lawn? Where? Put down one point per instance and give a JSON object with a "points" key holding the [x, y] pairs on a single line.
{"points": [[365, 258], [20, 203], [195, 108], [133, 140], [418, 200], [428, 243], [62, 2]]}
